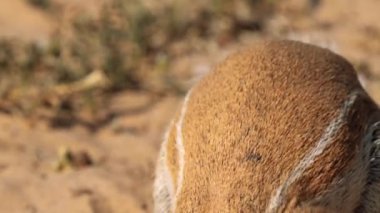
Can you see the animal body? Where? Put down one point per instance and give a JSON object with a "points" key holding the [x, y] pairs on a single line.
{"points": [[281, 126]]}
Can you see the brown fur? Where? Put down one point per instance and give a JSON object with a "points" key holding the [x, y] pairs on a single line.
{"points": [[172, 156], [251, 121]]}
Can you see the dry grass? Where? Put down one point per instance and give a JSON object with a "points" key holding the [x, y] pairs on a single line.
{"points": [[128, 41]]}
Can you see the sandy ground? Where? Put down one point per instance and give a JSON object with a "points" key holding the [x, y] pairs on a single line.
{"points": [[123, 154], [18, 19], [124, 151]]}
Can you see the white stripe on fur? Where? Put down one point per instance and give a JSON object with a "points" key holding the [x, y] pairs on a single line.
{"points": [[180, 148], [308, 160], [163, 185], [166, 169]]}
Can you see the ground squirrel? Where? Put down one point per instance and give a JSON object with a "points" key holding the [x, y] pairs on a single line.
{"points": [[281, 126]]}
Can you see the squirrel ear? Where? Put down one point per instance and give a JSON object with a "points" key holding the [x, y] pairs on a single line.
{"points": [[373, 137]]}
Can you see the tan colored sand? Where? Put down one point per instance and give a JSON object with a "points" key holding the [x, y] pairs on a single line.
{"points": [[120, 180]]}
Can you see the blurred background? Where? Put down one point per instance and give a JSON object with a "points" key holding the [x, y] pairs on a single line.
{"points": [[87, 87]]}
